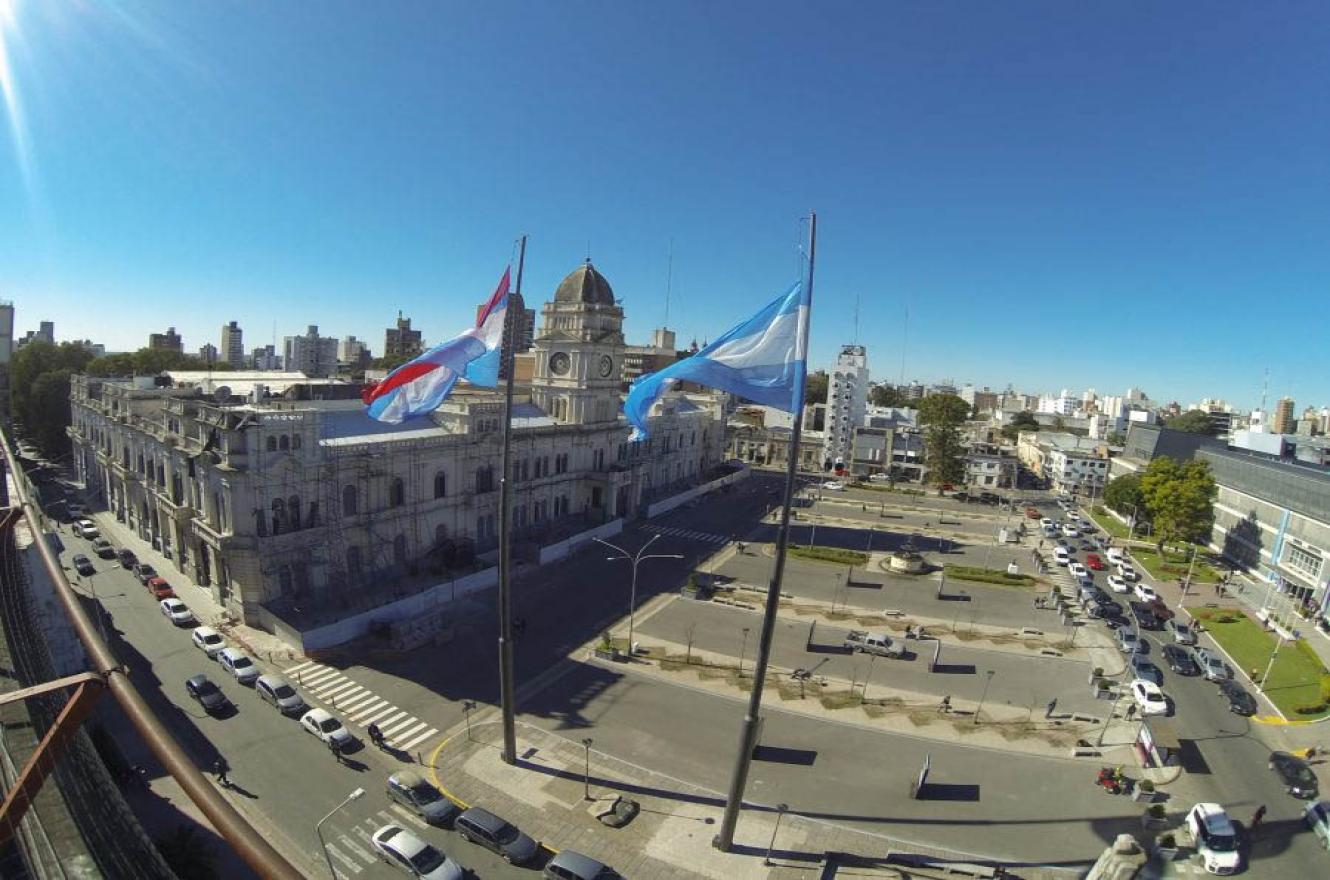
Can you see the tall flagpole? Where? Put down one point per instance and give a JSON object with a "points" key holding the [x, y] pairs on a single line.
{"points": [[506, 690], [752, 725]]}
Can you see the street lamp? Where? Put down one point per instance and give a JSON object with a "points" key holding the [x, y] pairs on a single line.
{"points": [[586, 776], [983, 696], [1112, 710], [780, 811], [318, 827], [1271, 665], [635, 560], [467, 706], [742, 650], [863, 696]]}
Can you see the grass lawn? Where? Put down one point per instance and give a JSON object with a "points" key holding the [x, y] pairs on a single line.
{"points": [[877, 487], [1105, 521], [988, 576], [1295, 679], [1173, 565], [829, 554]]}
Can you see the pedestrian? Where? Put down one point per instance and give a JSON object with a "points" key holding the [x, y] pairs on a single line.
{"points": [[1052, 704], [336, 752], [1257, 817], [945, 706], [1131, 711], [220, 768]]}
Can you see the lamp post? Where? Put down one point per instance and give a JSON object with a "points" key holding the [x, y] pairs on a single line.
{"points": [[960, 599], [635, 560], [1132, 531], [983, 696], [1112, 710], [863, 696], [586, 776], [467, 706], [780, 812], [742, 650], [1271, 665], [318, 828]]}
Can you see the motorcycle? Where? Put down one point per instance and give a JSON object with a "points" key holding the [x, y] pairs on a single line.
{"points": [[1110, 779]]}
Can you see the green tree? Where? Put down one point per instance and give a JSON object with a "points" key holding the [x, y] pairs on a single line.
{"points": [[1022, 421], [886, 395], [1193, 421], [392, 363], [815, 387], [1180, 497], [942, 415], [1115, 438], [1125, 496], [149, 362], [39, 376]]}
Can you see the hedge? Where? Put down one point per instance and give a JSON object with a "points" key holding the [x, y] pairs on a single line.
{"points": [[829, 554], [988, 576]]}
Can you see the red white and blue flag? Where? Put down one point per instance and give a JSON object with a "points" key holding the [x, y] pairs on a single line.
{"points": [[418, 387]]}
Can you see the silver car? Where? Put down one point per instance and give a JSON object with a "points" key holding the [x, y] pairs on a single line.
{"points": [[274, 690], [1212, 667], [1181, 632]]}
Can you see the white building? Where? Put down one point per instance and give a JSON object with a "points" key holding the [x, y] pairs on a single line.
{"points": [[311, 354], [847, 399]]}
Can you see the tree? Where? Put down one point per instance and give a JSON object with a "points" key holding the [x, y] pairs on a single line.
{"points": [[815, 388], [39, 376], [1116, 438], [886, 395], [1124, 495], [149, 362], [1180, 497], [942, 415], [1022, 421], [1193, 421]]}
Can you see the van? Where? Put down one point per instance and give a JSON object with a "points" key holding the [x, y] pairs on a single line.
{"points": [[569, 865]]}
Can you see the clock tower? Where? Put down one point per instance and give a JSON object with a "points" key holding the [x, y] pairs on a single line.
{"points": [[579, 351]]}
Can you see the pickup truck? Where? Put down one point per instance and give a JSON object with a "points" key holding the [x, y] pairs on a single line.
{"points": [[873, 643]]}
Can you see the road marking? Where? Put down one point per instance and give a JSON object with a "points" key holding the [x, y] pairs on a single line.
{"points": [[349, 863], [315, 682], [367, 709], [403, 734], [299, 667], [403, 813], [397, 723], [407, 746], [359, 701], [347, 689], [355, 847], [315, 670], [382, 712], [319, 675]]}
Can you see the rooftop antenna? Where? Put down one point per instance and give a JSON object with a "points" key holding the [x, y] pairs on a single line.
{"points": [[669, 280]]}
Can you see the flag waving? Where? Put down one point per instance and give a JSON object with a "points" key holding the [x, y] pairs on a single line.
{"points": [[764, 359], [418, 387]]}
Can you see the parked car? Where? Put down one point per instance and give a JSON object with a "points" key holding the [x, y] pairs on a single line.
{"points": [[874, 643], [103, 548], [1239, 701], [402, 849], [834, 486], [83, 565], [1093, 561], [1078, 571], [1142, 668], [1149, 698], [126, 557], [209, 641], [177, 612], [209, 696], [160, 588], [1061, 556], [1181, 632], [277, 692], [1162, 611], [1128, 642], [1144, 617], [238, 663], [569, 865], [1294, 774], [1127, 572], [144, 572], [1215, 838], [327, 728], [76, 510], [413, 791], [1212, 667], [1117, 584], [1144, 592], [86, 528], [1114, 555], [488, 830], [1179, 660], [1317, 817], [1070, 531]]}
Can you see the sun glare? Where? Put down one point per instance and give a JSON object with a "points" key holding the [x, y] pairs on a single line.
{"points": [[13, 107]]}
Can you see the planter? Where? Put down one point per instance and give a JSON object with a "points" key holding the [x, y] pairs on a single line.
{"points": [[608, 654], [1097, 674], [1103, 694]]}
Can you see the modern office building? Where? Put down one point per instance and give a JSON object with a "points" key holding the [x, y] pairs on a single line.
{"points": [[233, 345], [1284, 421]]}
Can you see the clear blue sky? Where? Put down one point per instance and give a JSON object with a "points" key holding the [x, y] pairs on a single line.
{"points": [[1062, 194]]}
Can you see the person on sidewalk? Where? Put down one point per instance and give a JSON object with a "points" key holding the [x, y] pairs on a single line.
{"points": [[336, 752], [945, 706], [220, 768], [1131, 711], [1052, 704]]}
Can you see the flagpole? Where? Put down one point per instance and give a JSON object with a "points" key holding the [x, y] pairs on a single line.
{"points": [[506, 690], [752, 724]]}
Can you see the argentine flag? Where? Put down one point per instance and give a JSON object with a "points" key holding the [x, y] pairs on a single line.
{"points": [[764, 359], [418, 387]]}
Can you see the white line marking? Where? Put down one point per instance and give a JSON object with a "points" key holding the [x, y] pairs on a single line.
{"points": [[298, 668], [407, 746], [379, 714], [355, 847], [399, 716], [368, 709], [327, 689], [400, 725], [322, 675], [348, 862], [400, 812], [358, 701], [403, 734], [341, 691]]}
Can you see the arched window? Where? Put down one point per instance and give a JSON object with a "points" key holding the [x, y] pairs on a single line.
{"points": [[293, 511], [399, 549], [285, 443], [272, 444], [440, 484], [353, 562], [278, 516], [350, 501], [397, 494]]}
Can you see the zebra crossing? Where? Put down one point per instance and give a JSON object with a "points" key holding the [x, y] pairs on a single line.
{"points": [[358, 705], [350, 849], [691, 535]]}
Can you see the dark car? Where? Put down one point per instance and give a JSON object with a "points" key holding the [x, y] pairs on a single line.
{"points": [[412, 791], [1180, 660], [209, 695], [1239, 701], [1295, 775], [488, 830], [103, 548], [144, 572], [127, 557], [1144, 617], [83, 565]]}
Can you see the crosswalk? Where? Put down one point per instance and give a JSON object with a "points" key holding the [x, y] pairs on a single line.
{"points": [[690, 534], [350, 849], [358, 705]]}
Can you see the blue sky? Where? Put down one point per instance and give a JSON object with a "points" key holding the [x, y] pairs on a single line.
{"points": [[1103, 195]]}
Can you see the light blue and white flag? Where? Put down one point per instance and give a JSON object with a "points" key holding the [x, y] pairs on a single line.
{"points": [[764, 359]]}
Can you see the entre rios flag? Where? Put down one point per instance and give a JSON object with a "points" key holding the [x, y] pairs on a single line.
{"points": [[419, 386], [764, 359]]}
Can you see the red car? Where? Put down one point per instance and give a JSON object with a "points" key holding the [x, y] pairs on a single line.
{"points": [[1031, 513], [1092, 560], [160, 588]]}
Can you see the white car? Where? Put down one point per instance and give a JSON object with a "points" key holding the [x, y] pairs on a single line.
{"points": [[1073, 516], [1061, 556], [209, 641], [1317, 816], [1115, 555], [399, 847], [1145, 592], [177, 612], [1078, 571], [1128, 573], [1215, 839], [1070, 531], [834, 486], [327, 728], [1117, 584], [86, 528], [238, 663], [1149, 698], [1046, 523]]}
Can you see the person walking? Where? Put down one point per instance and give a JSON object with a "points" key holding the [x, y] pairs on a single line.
{"points": [[1257, 817], [336, 752], [945, 706], [220, 769], [1131, 711], [1052, 704]]}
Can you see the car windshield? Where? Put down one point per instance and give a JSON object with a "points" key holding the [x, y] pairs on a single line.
{"points": [[1221, 842], [424, 793], [212, 640], [328, 725], [1300, 773], [427, 860], [205, 687], [241, 662], [507, 834], [284, 691]]}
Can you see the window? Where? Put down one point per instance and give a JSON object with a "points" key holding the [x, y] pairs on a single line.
{"points": [[440, 484], [440, 534], [293, 511], [295, 442], [397, 493], [1303, 561], [285, 443], [485, 479], [278, 516], [350, 501]]}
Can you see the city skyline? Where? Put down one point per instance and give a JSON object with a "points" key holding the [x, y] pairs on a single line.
{"points": [[1048, 192]]}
